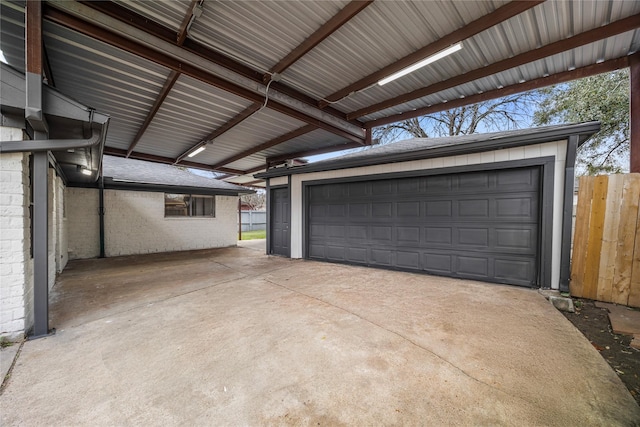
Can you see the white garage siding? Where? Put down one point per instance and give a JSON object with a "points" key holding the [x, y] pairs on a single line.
{"points": [[557, 150]]}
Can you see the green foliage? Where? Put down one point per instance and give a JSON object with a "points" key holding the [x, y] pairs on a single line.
{"points": [[605, 98], [256, 234]]}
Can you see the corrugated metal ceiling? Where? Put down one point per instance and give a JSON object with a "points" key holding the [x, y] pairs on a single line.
{"points": [[260, 34], [105, 78]]}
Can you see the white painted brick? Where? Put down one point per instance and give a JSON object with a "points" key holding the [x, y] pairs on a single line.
{"points": [[135, 224]]}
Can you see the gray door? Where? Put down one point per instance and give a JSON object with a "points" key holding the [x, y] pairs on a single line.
{"points": [[477, 225], [280, 213]]}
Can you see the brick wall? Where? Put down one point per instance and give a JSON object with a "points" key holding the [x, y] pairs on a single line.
{"points": [[135, 224], [83, 232], [16, 265]]}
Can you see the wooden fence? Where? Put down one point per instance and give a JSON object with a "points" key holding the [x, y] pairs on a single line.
{"points": [[606, 247]]}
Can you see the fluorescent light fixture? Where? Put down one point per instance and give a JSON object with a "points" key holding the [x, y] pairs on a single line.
{"points": [[198, 151], [411, 68], [86, 171]]}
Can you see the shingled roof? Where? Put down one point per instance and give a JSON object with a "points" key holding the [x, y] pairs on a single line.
{"points": [[120, 172], [423, 148]]}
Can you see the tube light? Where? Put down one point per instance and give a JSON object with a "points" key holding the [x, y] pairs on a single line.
{"points": [[411, 68], [198, 151], [86, 171]]}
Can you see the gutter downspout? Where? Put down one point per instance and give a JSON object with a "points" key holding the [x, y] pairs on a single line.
{"points": [[49, 144], [567, 213]]}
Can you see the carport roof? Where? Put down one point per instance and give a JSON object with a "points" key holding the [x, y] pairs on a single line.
{"points": [[131, 173], [177, 75], [425, 148]]}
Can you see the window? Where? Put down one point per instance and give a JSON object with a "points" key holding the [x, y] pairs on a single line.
{"points": [[189, 205]]}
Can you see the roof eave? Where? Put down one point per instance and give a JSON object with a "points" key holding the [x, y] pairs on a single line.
{"points": [[583, 130]]}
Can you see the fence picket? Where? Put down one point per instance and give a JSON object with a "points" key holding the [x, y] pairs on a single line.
{"points": [[605, 261]]}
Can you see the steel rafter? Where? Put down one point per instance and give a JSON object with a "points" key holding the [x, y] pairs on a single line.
{"points": [[578, 73], [325, 30], [590, 36], [233, 122]]}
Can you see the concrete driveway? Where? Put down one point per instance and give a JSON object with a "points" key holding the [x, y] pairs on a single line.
{"points": [[232, 337]]}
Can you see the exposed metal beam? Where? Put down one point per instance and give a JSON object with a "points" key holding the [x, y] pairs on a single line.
{"points": [[155, 29], [233, 122], [325, 30], [184, 26], [311, 152], [166, 88], [481, 24], [34, 68], [617, 27], [266, 145], [178, 59], [252, 183], [578, 73], [634, 114], [35, 117]]}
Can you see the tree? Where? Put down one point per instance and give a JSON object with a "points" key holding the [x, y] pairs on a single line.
{"points": [[603, 97], [255, 201], [506, 113]]}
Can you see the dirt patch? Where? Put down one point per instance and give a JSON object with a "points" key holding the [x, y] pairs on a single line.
{"points": [[594, 324]]}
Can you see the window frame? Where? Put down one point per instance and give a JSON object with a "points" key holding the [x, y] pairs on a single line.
{"points": [[190, 206]]}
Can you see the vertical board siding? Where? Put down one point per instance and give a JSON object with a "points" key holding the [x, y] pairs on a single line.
{"points": [[605, 263]]}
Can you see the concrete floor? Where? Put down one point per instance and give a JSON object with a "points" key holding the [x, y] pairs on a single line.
{"points": [[233, 337]]}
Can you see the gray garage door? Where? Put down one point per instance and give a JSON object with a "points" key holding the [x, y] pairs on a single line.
{"points": [[478, 225]]}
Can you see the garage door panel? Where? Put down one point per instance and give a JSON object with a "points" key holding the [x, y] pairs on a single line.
{"points": [[409, 186], [481, 225], [381, 234], [407, 235], [472, 266], [357, 255], [358, 232], [358, 210], [408, 209], [439, 208], [336, 211], [317, 230], [382, 187], [317, 211], [516, 238], [473, 181], [510, 179], [438, 236], [438, 184], [438, 263], [381, 257], [335, 253], [358, 189], [474, 208], [476, 237], [408, 260], [382, 210], [509, 268]]}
